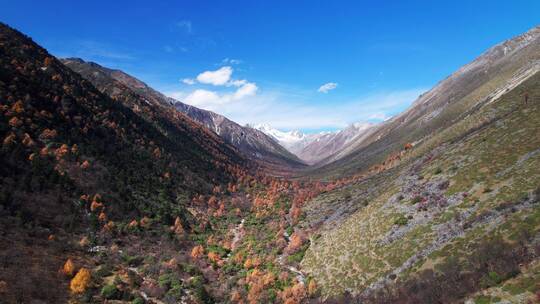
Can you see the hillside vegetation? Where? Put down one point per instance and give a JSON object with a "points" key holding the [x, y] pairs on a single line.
{"points": [[458, 213], [73, 159], [109, 194]]}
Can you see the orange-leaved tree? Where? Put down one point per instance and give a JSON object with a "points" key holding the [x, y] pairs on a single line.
{"points": [[81, 281]]}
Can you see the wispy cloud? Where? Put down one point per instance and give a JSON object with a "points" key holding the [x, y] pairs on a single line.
{"points": [[95, 51], [168, 49], [230, 61], [184, 25], [290, 111], [188, 81], [325, 88]]}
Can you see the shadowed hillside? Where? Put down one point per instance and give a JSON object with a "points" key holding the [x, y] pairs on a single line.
{"points": [[69, 151], [112, 193], [252, 143]]}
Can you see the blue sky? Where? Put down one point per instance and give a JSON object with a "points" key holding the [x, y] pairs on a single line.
{"points": [[309, 65]]}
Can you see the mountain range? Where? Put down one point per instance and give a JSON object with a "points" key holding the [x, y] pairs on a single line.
{"points": [[316, 148], [112, 192], [251, 142]]}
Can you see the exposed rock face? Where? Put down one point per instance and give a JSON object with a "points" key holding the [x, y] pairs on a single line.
{"points": [[320, 150], [317, 148], [253, 142]]}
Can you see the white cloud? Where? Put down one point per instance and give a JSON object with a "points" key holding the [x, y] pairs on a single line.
{"points": [[237, 83], [288, 110], [188, 81], [212, 100], [325, 88], [248, 89], [217, 77], [203, 98]]}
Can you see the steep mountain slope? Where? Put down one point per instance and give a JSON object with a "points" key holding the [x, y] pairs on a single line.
{"points": [[292, 140], [254, 144], [121, 199], [319, 147], [454, 216], [321, 150], [112, 195], [251, 141], [498, 70], [74, 161]]}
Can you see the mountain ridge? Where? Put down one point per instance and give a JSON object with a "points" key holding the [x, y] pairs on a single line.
{"points": [[317, 148], [252, 143], [109, 193], [463, 88], [76, 163]]}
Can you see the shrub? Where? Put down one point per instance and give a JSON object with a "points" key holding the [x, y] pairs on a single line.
{"points": [[110, 292], [197, 283], [416, 199], [138, 300], [132, 260], [401, 221], [197, 251]]}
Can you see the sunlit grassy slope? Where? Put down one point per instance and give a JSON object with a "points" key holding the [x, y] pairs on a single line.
{"points": [[478, 178]]}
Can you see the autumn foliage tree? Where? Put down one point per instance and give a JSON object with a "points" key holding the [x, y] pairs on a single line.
{"points": [[294, 294], [296, 241], [197, 251], [81, 281], [69, 268]]}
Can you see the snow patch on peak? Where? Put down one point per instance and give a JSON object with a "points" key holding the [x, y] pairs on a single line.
{"points": [[286, 139]]}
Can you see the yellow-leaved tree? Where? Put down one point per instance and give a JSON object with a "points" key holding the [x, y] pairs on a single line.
{"points": [[81, 281]]}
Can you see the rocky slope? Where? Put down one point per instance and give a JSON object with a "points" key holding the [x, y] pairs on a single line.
{"points": [[445, 201], [110, 194], [318, 148], [498, 70], [327, 147], [253, 144]]}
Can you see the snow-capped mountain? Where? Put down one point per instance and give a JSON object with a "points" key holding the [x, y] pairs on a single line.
{"points": [[312, 148], [288, 139]]}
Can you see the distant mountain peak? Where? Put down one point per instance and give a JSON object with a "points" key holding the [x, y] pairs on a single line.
{"points": [[317, 146], [286, 138]]}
